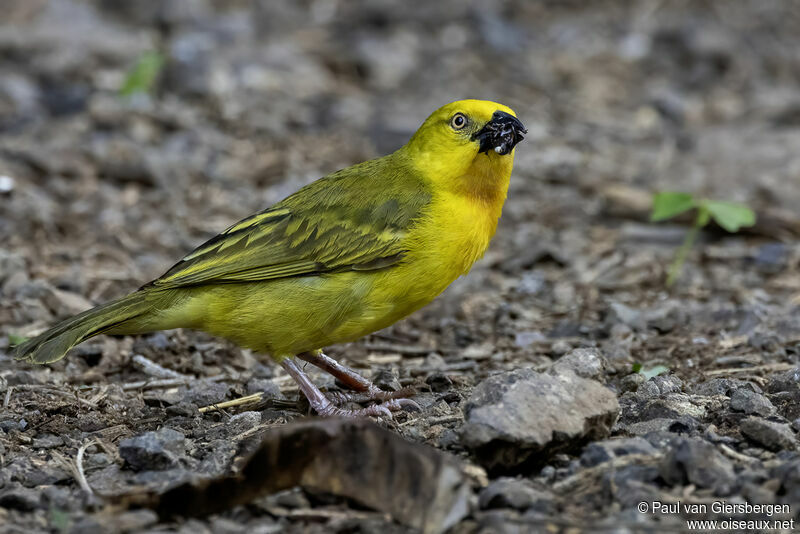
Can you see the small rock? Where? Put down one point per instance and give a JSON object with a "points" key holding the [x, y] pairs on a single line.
{"points": [[666, 316], [750, 402], [682, 425], [439, 382], [586, 363], [11, 424], [206, 392], [768, 434], [182, 409], [786, 381], [602, 451], [134, 520], [515, 493], [7, 184], [153, 450], [632, 382], [659, 386], [292, 499], [560, 347], [672, 406], [241, 422], [19, 498], [620, 313], [387, 380], [47, 441], [694, 461], [722, 386], [265, 386], [520, 418]]}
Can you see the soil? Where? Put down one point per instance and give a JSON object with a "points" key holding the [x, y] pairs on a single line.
{"points": [[101, 192]]}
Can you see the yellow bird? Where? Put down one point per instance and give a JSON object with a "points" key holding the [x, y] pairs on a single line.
{"points": [[349, 254]]}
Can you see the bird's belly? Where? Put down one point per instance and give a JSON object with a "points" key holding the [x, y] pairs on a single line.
{"points": [[285, 317]]}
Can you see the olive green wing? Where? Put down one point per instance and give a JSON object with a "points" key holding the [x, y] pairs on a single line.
{"points": [[355, 219]]}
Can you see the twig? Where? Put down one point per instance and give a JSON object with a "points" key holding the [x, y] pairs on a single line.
{"points": [[7, 400], [80, 475], [771, 367], [153, 369], [164, 383], [249, 399], [737, 455]]}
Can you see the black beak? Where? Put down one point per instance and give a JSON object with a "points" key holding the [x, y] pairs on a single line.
{"points": [[500, 134]]}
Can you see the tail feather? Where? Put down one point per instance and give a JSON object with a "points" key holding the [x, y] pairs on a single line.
{"points": [[53, 344]]}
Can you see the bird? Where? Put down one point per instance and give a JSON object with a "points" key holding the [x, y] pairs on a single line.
{"points": [[347, 255]]}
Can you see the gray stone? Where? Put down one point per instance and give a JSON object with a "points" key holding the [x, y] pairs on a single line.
{"points": [[47, 441], [586, 363], [632, 382], [768, 434], [518, 419], [694, 461], [620, 313], [519, 494], [206, 392], [750, 402], [265, 386], [786, 381], [660, 385], [242, 422], [19, 498], [666, 316], [602, 451], [387, 380], [153, 450], [722, 386]]}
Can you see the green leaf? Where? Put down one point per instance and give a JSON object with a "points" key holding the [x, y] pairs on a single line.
{"points": [[636, 367], [654, 371], [14, 340], [730, 215], [142, 77], [669, 204]]}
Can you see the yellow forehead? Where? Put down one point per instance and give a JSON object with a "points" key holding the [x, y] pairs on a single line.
{"points": [[481, 110]]}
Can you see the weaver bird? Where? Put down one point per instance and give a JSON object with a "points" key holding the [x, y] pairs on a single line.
{"points": [[349, 254]]}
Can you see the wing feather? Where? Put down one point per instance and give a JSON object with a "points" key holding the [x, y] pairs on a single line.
{"points": [[354, 219]]}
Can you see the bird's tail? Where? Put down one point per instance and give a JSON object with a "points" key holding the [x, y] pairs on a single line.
{"points": [[53, 344]]}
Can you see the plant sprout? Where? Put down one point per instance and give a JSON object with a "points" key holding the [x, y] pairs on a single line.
{"points": [[729, 215]]}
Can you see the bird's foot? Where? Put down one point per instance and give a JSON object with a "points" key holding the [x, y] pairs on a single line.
{"points": [[326, 407], [373, 394], [384, 409]]}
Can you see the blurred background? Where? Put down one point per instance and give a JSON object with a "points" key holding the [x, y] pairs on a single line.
{"points": [[132, 131]]}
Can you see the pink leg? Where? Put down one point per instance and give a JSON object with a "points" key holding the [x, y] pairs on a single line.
{"points": [[321, 404], [367, 391]]}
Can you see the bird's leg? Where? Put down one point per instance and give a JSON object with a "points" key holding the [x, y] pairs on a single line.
{"points": [[366, 390], [321, 404]]}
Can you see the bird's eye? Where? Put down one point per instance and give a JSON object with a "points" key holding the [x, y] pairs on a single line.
{"points": [[458, 121]]}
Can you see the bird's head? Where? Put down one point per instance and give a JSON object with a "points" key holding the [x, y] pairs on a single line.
{"points": [[468, 143]]}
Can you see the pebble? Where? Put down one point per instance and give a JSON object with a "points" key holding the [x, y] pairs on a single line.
{"points": [[516, 493], [158, 450], [770, 435], [514, 420], [586, 363], [751, 403], [695, 461]]}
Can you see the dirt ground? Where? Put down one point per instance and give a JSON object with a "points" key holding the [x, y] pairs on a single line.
{"points": [[100, 192]]}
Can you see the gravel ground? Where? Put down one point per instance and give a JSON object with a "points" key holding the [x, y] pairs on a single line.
{"points": [[532, 417]]}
